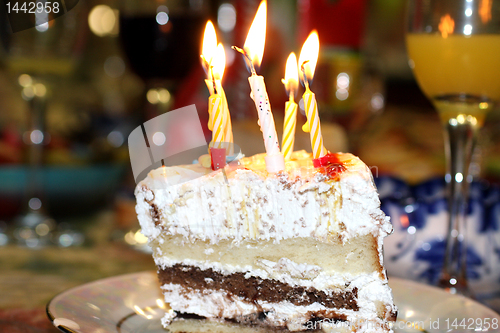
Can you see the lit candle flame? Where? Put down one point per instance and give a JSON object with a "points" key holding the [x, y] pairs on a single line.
{"points": [[219, 62], [446, 25], [256, 38], [485, 10], [291, 76], [309, 57], [209, 47]]}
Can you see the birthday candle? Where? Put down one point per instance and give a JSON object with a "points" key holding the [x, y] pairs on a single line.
{"points": [[314, 128], [214, 63], [253, 51], [219, 64], [216, 112], [289, 129], [266, 119], [307, 62], [290, 122]]}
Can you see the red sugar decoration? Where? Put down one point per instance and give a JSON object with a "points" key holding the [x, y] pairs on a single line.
{"points": [[218, 157], [326, 160], [329, 165]]}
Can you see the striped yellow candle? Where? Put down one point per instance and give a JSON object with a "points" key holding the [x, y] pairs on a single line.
{"points": [[289, 129], [291, 84], [228, 129], [307, 62], [313, 125], [216, 115], [214, 62], [219, 64]]}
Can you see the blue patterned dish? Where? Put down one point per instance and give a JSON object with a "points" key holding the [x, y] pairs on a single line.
{"points": [[416, 248]]}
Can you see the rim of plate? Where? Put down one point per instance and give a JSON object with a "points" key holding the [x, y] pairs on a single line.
{"points": [[83, 286]]}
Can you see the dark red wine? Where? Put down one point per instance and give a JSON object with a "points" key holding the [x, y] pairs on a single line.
{"points": [[162, 51]]}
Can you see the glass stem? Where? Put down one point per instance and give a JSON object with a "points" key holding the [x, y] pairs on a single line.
{"points": [[34, 188], [460, 139], [34, 213]]}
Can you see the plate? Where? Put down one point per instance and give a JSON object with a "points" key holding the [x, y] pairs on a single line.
{"points": [[133, 303]]}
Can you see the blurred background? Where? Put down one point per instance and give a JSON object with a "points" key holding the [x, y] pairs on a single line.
{"points": [[72, 90]]}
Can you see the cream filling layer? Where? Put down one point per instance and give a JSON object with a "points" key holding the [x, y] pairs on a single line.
{"points": [[218, 304]]}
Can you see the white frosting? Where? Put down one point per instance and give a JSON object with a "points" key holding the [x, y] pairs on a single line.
{"points": [[246, 202], [168, 317], [286, 266]]}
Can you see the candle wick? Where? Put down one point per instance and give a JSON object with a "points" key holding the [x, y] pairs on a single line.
{"points": [[248, 60], [213, 78], [289, 90], [209, 70], [306, 84], [304, 79], [205, 64]]}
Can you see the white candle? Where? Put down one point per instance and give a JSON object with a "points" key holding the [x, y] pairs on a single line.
{"points": [[266, 119], [253, 51]]}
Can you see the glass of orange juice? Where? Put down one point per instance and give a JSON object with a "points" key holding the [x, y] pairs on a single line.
{"points": [[454, 52]]}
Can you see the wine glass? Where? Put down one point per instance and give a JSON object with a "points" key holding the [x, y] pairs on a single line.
{"points": [[161, 41], [454, 52], [40, 58]]}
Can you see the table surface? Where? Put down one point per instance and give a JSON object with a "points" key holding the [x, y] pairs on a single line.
{"points": [[30, 278]]}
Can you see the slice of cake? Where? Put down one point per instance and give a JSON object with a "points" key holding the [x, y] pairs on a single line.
{"points": [[300, 249]]}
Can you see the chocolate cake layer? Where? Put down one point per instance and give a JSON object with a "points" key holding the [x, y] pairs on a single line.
{"points": [[254, 288]]}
